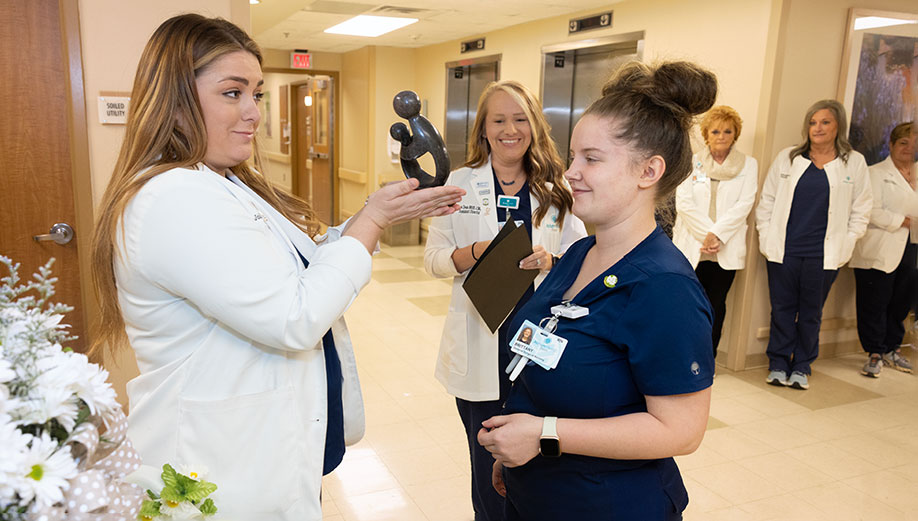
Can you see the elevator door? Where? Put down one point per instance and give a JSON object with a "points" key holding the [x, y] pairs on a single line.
{"points": [[464, 85], [573, 79]]}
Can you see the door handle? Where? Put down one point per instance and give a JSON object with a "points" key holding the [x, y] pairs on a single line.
{"points": [[318, 155], [61, 233]]}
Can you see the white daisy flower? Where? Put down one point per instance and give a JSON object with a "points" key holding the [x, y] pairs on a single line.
{"points": [[183, 510], [47, 469], [7, 374], [13, 447], [194, 471], [47, 403], [87, 381]]}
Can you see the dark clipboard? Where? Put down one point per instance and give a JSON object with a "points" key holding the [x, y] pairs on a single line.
{"points": [[496, 283]]}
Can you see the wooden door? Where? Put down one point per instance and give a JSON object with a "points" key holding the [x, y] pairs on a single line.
{"points": [[320, 150], [42, 88]]}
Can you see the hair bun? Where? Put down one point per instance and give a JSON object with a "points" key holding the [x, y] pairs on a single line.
{"points": [[682, 87]]}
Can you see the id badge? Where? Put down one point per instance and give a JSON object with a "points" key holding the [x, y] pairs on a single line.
{"points": [[501, 224], [510, 202], [538, 345]]}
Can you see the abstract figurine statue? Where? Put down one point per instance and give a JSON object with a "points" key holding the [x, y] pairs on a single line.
{"points": [[425, 139]]}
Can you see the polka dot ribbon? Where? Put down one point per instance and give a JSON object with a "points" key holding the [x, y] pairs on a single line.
{"points": [[97, 492]]}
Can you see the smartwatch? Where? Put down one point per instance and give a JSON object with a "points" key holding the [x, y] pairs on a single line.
{"points": [[549, 443]]}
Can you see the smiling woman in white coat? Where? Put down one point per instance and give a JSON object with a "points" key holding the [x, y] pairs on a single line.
{"points": [[884, 258], [510, 153], [221, 284], [712, 206], [814, 206]]}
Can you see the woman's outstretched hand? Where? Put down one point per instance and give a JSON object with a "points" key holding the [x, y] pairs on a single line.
{"points": [[399, 202]]}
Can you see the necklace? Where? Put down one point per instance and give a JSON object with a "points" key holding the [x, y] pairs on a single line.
{"points": [[505, 183]]}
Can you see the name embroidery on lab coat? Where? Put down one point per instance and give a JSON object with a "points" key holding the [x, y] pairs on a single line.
{"points": [[470, 209]]}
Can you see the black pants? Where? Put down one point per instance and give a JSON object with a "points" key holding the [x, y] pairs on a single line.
{"points": [[797, 289], [716, 282], [883, 301], [486, 502]]}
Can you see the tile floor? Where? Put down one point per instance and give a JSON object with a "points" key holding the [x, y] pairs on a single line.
{"points": [[847, 449]]}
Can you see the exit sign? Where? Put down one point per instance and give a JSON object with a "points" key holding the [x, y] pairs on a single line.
{"points": [[300, 60]]}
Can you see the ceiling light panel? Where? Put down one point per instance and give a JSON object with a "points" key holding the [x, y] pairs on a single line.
{"points": [[371, 26]]}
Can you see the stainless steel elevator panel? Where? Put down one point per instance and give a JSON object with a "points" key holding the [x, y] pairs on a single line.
{"points": [[457, 114], [464, 85], [573, 78], [558, 96]]}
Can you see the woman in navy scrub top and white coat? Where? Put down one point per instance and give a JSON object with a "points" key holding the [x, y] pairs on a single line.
{"points": [[222, 286], [594, 438], [511, 153], [815, 205]]}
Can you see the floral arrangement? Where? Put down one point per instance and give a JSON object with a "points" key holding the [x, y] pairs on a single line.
{"points": [[54, 463], [183, 496]]}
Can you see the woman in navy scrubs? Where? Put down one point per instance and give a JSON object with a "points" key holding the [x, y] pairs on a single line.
{"points": [[594, 438]]}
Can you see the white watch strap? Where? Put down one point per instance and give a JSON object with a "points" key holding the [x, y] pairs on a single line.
{"points": [[550, 427]]}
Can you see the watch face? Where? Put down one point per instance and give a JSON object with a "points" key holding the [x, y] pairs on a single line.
{"points": [[550, 447]]}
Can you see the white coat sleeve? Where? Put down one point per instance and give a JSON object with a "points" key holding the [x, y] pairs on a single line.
{"points": [[441, 243], [697, 220], [861, 198], [193, 239], [879, 216], [767, 200], [732, 219]]}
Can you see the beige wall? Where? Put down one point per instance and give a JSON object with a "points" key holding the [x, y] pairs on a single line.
{"points": [[357, 82], [113, 34], [696, 30]]}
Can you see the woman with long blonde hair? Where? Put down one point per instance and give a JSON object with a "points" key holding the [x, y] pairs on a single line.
{"points": [[221, 284], [511, 153]]}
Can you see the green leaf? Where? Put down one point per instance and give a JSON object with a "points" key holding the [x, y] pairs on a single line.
{"points": [[171, 494], [170, 477], [208, 508], [152, 495], [149, 509], [184, 483], [199, 490]]}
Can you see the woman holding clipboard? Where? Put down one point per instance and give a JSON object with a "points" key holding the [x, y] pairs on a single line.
{"points": [[512, 158]]}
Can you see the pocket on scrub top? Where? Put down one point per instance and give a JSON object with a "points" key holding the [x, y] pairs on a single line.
{"points": [[251, 445], [456, 340]]}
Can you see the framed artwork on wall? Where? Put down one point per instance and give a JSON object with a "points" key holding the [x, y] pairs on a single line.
{"points": [[879, 77]]}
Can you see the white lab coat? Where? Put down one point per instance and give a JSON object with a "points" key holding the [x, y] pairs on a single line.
{"points": [[735, 198], [881, 248], [850, 203], [467, 364], [227, 328]]}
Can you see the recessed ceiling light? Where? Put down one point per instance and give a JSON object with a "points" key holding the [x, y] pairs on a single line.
{"points": [[366, 25], [254, 2], [873, 22]]}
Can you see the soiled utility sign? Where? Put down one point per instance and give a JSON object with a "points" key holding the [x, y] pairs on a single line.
{"points": [[113, 109]]}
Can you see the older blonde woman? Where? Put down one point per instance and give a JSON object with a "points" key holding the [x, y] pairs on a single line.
{"points": [[884, 258], [712, 206]]}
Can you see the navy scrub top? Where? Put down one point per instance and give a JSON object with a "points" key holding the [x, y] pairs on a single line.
{"points": [[805, 234], [647, 334]]}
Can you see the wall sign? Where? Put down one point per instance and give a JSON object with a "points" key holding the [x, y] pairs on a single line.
{"points": [[300, 60], [472, 45], [113, 107], [597, 21]]}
